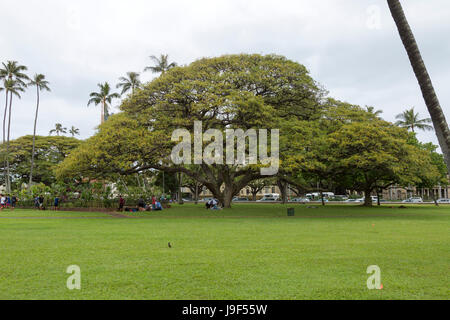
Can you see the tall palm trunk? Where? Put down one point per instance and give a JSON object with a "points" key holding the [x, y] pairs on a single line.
{"points": [[102, 113], [8, 178], [34, 139], [4, 138], [431, 100]]}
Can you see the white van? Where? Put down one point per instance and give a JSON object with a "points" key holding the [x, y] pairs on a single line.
{"points": [[413, 200], [317, 195]]}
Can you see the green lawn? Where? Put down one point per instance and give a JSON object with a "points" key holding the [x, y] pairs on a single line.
{"points": [[252, 251]]}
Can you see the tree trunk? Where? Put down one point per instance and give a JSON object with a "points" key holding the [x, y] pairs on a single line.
{"points": [[254, 195], [180, 183], [435, 200], [367, 198], [426, 86], [378, 197], [322, 199], [164, 187], [4, 137], [144, 183], [8, 179], [34, 140], [138, 180], [282, 186], [196, 193], [228, 195], [285, 193]]}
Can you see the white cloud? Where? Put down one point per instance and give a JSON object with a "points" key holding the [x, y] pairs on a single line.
{"points": [[78, 44]]}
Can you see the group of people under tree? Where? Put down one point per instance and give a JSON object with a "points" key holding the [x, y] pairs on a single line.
{"points": [[154, 204], [7, 201], [212, 204], [39, 203]]}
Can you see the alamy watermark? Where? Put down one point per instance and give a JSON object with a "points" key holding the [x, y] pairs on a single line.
{"points": [[374, 281], [73, 281], [235, 140], [373, 21]]}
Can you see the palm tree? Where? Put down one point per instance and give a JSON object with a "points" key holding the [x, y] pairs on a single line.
{"points": [[74, 131], [103, 97], [430, 97], [410, 120], [11, 71], [130, 82], [161, 64], [371, 110], [13, 87], [58, 129], [41, 84]]}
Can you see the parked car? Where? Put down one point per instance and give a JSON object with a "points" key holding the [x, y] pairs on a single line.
{"points": [[361, 200], [240, 199], [413, 200], [299, 200], [340, 198], [317, 195], [352, 200], [443, 200], [268, 199]]}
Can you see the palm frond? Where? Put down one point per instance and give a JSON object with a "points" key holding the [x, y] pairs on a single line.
{"points": [[161, 64]]}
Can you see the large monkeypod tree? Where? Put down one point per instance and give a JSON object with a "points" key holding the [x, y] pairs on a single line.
{"points": [[228, 92]]}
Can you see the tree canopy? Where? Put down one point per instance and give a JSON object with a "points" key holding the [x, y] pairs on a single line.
{"points": [[49, 152], [322, 141]]}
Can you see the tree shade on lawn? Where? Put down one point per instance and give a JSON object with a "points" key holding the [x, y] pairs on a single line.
{"points": [[431, 99]]}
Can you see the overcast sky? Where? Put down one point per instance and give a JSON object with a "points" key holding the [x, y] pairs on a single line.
{"points": [[350, 46]]}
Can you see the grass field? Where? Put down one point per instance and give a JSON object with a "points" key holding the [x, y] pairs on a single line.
{"points": [[252, 251]]}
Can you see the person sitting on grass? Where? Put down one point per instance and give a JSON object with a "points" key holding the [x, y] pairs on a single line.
{"points": [[158, 206], [209, 204], [213, 204], [141, 204]]}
